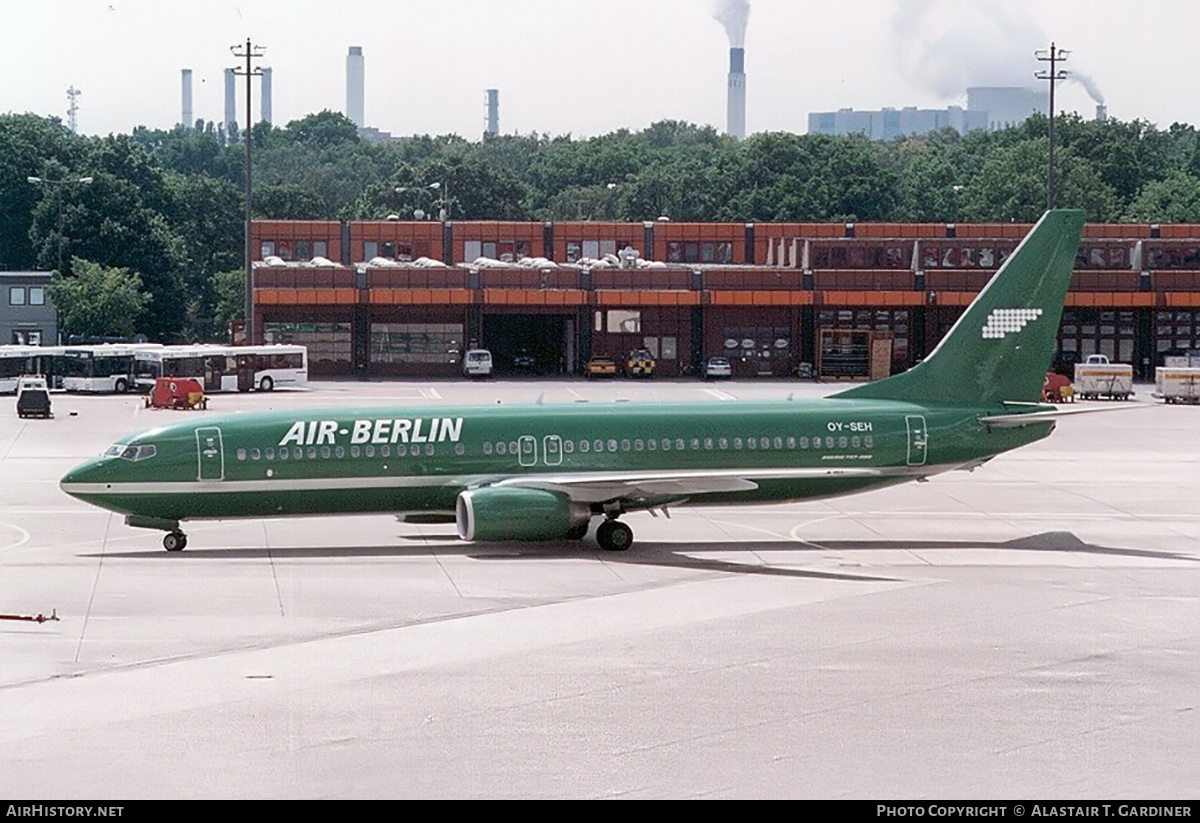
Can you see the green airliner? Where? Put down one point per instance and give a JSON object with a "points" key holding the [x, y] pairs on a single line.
{"points": [[545, 472]]}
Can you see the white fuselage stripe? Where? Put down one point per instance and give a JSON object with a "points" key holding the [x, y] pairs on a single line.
{"points": [[267, 484]]}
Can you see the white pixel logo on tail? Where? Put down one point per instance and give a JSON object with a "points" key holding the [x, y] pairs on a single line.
{"points": [[1002, 322]]}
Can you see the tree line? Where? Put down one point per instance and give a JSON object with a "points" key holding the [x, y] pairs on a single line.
{"points": [[164, 209]]}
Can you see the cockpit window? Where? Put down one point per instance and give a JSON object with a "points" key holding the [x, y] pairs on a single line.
{"points": [[130, 452]]}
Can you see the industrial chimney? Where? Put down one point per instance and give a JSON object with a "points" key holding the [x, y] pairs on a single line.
{"points": [[265, 102], [230, 103], [186, 114], [736, 115], [354, 86], [734, 15], [493, 111]]}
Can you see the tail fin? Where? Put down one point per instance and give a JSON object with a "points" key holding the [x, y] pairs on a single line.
{"points": [[1000, 348]]}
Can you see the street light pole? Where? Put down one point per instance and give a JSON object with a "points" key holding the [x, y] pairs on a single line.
{"points": [[58, 192], [251, 52], [1052, 56]]}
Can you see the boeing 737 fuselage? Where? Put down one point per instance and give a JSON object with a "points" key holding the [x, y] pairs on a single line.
{"points": [[544, 472]]}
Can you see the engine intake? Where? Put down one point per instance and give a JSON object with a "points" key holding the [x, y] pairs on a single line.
{"points": [[517, 514]]}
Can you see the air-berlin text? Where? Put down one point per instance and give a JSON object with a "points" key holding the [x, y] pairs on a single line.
{"points": [[383, 430]]}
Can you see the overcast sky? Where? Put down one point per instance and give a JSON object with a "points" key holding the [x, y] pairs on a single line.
{"points": [[587, 67]]}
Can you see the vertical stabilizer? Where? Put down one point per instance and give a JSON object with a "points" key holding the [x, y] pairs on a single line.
{"points": [[1000, 348]]}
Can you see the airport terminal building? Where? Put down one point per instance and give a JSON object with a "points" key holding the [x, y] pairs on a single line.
{"points": [[777, 299]]}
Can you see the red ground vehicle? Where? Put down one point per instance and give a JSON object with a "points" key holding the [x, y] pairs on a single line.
{"points": [[177, 393], [1057, 389]]}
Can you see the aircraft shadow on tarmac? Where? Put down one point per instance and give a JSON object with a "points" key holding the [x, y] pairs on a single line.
{"points": [[668, 555]]}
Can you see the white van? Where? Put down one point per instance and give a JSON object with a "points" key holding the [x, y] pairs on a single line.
{"points": [[477, 363]]}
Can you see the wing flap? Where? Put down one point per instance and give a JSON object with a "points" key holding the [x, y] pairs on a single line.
{"points": [[599, 487]]}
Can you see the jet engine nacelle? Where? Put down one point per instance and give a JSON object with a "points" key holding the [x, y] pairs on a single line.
{"points": [[517, 514]]}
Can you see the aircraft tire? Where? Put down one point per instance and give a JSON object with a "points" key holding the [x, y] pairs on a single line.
{"points": [[614, 536], [174, 541], [578, 532]]}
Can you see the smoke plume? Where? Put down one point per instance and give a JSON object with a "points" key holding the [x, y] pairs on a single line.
{"points": [[947, 47], [733, 15]]}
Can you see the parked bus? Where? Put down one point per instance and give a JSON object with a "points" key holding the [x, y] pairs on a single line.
{"points": [[18, 360], [226, 368], [107, 367]]}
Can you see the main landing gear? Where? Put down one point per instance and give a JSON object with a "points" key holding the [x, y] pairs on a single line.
{"points": [[614, 536], [175, 541]]}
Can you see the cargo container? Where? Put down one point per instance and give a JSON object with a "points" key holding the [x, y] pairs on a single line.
{"points": [[1177, 385], [1096, 378]]}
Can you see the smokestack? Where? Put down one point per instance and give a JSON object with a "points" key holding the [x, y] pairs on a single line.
{"points": [[265, 103], [230, 103], [493, 111], [354, 86], [186, 114], [1101, 112], [734, 15], [736, 113]]}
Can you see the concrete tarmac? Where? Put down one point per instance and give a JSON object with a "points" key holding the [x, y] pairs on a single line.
{"points": [[1028, 630]]}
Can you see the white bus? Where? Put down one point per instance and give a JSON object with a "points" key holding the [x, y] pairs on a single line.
{"points": [[18, 360], [226, 368], [106, 367]]}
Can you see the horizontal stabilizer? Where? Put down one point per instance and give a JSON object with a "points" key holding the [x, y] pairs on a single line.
{"points": [[1019, 420]]}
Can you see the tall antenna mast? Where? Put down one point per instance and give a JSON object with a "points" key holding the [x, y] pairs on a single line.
{"points": [[1052, 56], [72, 108], [251, 53]]}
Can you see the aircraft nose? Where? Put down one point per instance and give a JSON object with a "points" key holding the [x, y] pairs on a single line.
{"points": [[91, 471]]}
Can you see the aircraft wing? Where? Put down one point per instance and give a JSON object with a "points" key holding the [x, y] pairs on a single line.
{"points": [[599, 487]]}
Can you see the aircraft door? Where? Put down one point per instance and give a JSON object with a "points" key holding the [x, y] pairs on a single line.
{"points": [[552, 450], [210, 453], [918, 439], [527, 450]]}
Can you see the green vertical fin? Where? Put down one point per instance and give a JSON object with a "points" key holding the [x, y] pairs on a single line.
{"points": [[1002, 345]]}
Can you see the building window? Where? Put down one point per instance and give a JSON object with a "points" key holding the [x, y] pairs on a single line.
{"points": [[16, 295], [680, 252], [37, 296], [416, 342], [624, 321], [327, 342], [266, 249]]}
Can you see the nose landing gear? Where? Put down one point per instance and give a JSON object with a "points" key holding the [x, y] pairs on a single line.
{"points": [[175, 541]]}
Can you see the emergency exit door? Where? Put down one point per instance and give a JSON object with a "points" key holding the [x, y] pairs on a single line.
{"points": [[918, 439], [210, 454]]}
